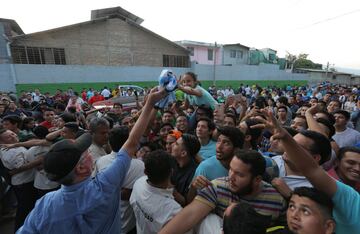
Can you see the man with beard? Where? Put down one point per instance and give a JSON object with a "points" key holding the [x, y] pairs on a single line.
{"points": [[244, 183], [230, 139]]}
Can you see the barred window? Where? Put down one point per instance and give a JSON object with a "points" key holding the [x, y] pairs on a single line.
{"points": [[175, 61], [38, 55]]}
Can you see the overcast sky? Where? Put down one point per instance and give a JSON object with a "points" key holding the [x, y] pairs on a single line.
{"points": [[327, 30]]}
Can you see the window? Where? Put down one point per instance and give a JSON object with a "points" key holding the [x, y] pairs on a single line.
{"points": [[37, 55], [239, 54], [210, 54], [232, 53], [191, 49], [175, 61]]}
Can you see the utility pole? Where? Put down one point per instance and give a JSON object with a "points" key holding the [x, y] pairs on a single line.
{"points": [[214, 79]]}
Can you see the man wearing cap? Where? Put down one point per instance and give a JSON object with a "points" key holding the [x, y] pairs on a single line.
{"points": [[82, 204]]}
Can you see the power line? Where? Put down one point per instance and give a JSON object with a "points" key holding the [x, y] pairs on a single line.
{"points": [[331, 18]]}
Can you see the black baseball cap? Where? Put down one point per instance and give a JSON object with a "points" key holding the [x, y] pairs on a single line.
{"points": [[64, 155]]}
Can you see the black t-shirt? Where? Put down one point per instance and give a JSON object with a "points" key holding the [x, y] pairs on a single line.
{"points": [[182, 177]]}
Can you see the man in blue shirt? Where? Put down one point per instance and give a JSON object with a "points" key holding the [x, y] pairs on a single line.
{"points": [[82, 204]]}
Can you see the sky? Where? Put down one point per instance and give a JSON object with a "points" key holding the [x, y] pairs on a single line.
{"points": [[327, 30]]}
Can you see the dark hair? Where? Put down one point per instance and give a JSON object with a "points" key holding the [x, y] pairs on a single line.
{"points": [[193, 76], [283, 100], [68, 117], [158, 165], [254, 159], [40, 132], [118, 137], [243, 219], [168, 111], [320, 146], [192, 144], [208, 111], [73, 126], [166, 124], [330, 116], [210, 123], [13, 119], [255, 133], [26, 121], [282, 107], [320, 198], [290, 130], [110, 120], [60, 106], [346, 149], [328, 125], [232, 116], [48, 109], [343, 112]]}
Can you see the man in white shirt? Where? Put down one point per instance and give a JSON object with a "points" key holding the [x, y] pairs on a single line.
{"points": [[117, 138], [22, 183], [105, 93], [344, 135], [99, 128], [152, 196]]}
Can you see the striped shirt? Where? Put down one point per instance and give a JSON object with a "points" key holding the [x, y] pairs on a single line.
{"points": [[219, 196]]}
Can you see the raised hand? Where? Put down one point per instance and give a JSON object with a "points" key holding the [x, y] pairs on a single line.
{"points": [[200, 182], [270, 123]]}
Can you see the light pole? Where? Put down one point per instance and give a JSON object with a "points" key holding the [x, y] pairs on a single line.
{"points": [[214, 79]]}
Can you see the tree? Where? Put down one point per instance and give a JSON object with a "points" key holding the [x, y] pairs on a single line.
{"points": [[301, 61]]}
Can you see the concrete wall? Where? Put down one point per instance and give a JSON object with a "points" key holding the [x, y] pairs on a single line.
{"points": [[234, 61], [245, 72], [33, 74], [111, 42]]}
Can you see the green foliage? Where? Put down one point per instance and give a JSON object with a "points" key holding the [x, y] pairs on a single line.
{"points": [[306, 63]]}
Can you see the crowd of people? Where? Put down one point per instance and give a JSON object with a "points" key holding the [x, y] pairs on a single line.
{"points": [[247, 160]]}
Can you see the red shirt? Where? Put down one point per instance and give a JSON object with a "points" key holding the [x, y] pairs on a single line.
{"points": [[46, 124], [334, 175], [96, 99]]}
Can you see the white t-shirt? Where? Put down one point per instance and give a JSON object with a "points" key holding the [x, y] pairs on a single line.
{"points": [[349, 137], [293, 181], [136, 170], [153, 207], [40, 181], [15, 158], [96, 152], [105, 93]]}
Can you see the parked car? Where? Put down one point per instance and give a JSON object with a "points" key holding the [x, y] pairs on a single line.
{"points": [[127, 97]]}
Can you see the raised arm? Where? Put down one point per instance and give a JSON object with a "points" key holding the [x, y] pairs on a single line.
{"points": [[187, 218], [312, 123], [300, 157], [132, 142], [190, 91]]}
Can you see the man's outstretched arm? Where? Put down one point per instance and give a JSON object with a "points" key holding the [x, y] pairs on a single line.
{"points": [[303, 161], [140, 126], [187, 218]]}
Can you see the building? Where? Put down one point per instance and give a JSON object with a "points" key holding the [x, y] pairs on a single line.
{"points": [[113, 37], [233, 54], [318, 76], [202, 52]]}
